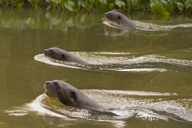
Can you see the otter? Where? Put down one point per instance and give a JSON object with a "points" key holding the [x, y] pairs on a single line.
{"points": [[71, 96], [63, 55], [118, 20]]}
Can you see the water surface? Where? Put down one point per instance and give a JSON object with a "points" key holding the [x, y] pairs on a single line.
{"points": [[24, 34]]}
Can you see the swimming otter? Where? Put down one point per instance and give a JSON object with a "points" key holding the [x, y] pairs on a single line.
{"points": [[118, 20], [61, 54], [71, 96]]}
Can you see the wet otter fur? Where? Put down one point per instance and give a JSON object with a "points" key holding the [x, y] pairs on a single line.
{"points": [[118, 20], [71, 96], [63, 55]]}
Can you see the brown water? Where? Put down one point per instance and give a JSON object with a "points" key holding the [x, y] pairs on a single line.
{"points": [[24, 34]]}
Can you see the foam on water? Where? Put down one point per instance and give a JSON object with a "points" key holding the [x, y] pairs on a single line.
{"points": [[141, 70], [37, 106], [155, 27]]}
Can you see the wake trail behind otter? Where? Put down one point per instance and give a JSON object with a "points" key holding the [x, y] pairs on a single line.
{"points": [[123, 62], [155, 27]]}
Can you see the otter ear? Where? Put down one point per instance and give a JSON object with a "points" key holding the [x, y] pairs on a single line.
{"points": [[73, 95]]}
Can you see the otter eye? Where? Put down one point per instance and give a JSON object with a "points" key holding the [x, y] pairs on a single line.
{"points": [[63, 56], [119, 17], [51, 50], [56, 85], [73, 95]]}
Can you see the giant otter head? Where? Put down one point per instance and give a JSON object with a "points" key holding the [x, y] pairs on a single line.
{"points": [[57, 53], [66, 93], [118, 20], [69, 95], [63, 55]]}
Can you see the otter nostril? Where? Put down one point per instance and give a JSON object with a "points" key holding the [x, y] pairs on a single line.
{"points": [[47, 82]]}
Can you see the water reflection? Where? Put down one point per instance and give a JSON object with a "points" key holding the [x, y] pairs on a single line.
{"points": [[46, 20], [23, 34]]}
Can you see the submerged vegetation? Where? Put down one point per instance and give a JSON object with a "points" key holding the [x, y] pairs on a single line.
{"points": [[157, 7]]}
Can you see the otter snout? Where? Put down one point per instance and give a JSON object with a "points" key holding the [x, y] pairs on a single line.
{"points": [[46, 52], [49, 52], [108, 15], [113, 15], [52, 88]]}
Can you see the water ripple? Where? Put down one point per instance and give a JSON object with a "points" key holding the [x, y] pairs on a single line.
{"points": [[123, 62], [125, 104]]}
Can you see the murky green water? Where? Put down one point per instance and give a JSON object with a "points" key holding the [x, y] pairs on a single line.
{"points": [[25, 34]]}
